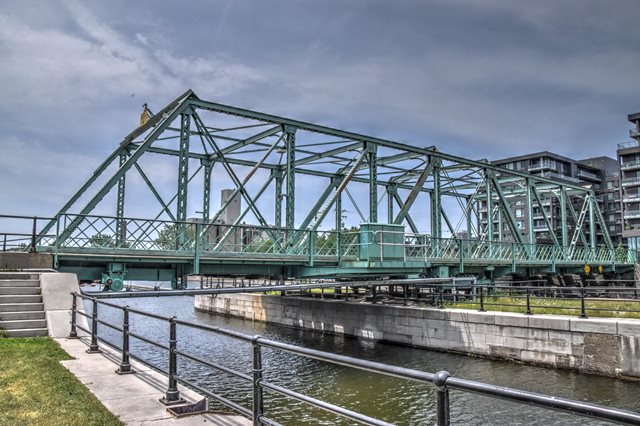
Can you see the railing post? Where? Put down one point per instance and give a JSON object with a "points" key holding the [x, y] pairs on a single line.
{"points": [[125, 365], [442, 398], [32, 249], [93, 347], [528, 312], [172, 395], [196, 250], [482, 309], [73, 334], [583, 310], [258, 406], [4, 243]]}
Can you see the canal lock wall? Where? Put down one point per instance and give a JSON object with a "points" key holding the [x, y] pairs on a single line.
{"points": [[595, 345]]}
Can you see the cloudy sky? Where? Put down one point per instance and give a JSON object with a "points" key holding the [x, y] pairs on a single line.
{"points": [[483, 78]]}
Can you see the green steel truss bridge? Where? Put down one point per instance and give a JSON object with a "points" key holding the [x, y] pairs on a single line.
{"points": [[419, 211]]}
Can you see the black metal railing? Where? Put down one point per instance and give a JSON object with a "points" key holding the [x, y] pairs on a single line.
{"points": [[583, 301], [26, 237], [441, 381]]}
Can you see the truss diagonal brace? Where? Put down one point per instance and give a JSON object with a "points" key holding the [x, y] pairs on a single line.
{"points": [[322, 214], [239, 185], [503, 204], [133, 158], [544, 214], [411, 198]]}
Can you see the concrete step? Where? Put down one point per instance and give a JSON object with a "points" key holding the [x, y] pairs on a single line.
{"points": [[25, 315], [18, 276], [20, 299], [22, 324], [21, 307], [19, 291], [28, 332], [19, 283]]}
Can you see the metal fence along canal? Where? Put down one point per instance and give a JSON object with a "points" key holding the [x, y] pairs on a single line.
{"points": [[441, 381]]}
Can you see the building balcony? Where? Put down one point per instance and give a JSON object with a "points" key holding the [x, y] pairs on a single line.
{"points": [[558, 176], [631, 214], [635, 181], [543, 166], [540, 228], [630, 144], [631, 198], [634, 133], [630, 165], [588, 176]]}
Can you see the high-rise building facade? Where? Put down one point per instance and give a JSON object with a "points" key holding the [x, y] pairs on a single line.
{"points": [[629, 164], [598, 173]]}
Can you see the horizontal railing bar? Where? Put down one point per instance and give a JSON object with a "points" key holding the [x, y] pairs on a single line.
{"points": [[239, 408], [148, 314], [375, 367], [218, 367], [113, 327], [324, 405], [14, 216], [148, 364], [552, 402], [79, 327], [84, 314], [218, 330], [151, 342]]}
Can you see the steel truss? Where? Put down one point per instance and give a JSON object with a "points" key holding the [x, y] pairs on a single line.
{"points": [[273, 161]]}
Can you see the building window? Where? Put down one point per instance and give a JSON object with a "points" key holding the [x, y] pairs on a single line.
{"points": [[612, 228], [519, 213]]}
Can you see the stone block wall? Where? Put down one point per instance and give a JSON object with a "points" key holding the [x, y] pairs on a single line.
{"points": [[602, 346]]}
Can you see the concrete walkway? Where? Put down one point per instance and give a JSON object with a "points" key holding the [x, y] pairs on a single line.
{"points": [[134, 398]]}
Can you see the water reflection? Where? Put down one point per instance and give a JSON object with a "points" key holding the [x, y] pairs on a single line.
{"points": [[394, 400]]}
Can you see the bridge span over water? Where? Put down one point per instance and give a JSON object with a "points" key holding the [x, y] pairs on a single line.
{"points": [[320, 202]]}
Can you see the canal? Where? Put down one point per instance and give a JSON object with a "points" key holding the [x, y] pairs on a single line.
{"points": [[397, 401]]}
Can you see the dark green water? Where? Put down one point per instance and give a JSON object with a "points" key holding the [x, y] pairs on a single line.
{"points": [[393, 400]]}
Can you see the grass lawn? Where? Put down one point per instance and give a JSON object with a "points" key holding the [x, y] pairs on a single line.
{"points": [[548, 305], [36, 390]]}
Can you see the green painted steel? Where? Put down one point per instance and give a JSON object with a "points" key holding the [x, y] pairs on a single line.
{"points": [[260, 153]]}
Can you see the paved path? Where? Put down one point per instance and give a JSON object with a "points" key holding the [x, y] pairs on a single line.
{"points": [[134, 398]]}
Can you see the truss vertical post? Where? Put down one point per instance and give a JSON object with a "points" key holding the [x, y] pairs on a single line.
{"points": [[489, 202], [183, 174], [592, 221], [277, 174], [468, 211], [389, 190], [436, 201], [500, 231], [563, 217], [290, 147], [339, 226], [121, 225], [530, 233], [206, 192], [372, 160]]}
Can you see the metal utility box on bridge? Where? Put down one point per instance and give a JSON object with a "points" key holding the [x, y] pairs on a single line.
{"points": [[381, 242]]}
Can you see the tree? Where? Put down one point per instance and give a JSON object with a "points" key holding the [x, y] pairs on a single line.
{"points": [[169, 237], [101, 240]]}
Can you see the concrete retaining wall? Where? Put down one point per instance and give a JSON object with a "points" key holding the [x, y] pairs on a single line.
{"points": [[56, 295], [603, 346], [20, 260]]}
